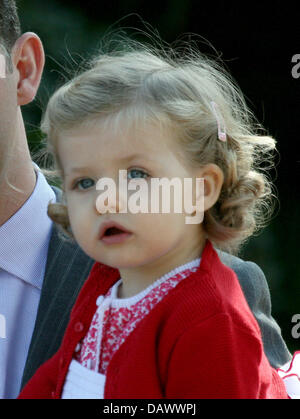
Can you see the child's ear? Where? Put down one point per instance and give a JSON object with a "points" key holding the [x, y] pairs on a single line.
{"points": [[213, 180]]}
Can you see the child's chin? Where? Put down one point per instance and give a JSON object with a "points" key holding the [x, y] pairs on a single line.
{"points": [[120, 262]]}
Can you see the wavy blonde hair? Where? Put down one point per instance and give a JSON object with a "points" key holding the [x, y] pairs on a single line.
{"points": [[166, 85]]}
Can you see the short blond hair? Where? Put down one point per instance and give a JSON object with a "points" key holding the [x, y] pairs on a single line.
{"points": [[147, 83]]}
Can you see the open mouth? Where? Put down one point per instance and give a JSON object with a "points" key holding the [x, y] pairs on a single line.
{"points": [[112, 231]]}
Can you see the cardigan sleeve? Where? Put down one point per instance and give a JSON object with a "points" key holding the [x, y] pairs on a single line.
{"points": [[43, 383], [218, 359]]}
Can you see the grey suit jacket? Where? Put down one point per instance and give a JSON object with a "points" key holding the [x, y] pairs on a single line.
{"points": [[68, 267]]}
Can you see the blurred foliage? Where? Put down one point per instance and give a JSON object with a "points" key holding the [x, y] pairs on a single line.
{"points": [[256, 51]]}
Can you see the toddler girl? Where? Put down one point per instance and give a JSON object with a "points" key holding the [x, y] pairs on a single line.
{"points": [[159, 316]]}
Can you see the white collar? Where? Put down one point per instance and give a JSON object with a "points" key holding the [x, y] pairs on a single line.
{"points": [[25, 236]]}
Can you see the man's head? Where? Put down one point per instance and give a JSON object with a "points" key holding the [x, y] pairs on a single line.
{"points": [[24, 57], [10, 29]]}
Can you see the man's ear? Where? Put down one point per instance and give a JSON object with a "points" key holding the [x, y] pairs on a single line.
{"points": [[213, 180], [28, 58]]}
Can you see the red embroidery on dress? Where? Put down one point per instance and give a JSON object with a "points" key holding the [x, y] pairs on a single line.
{"points": [[118, 323]]}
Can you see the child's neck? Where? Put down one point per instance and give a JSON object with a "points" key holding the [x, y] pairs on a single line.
{"points": [[135, 280]]}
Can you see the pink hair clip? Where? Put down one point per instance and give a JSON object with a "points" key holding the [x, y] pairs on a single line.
{"points": [[220, 121]]}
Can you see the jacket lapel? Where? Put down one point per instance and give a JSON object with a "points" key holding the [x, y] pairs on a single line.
{"points": [[67, 268]]}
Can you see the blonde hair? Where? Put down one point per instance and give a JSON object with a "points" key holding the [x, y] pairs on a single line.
{"points": [[164, 85]]}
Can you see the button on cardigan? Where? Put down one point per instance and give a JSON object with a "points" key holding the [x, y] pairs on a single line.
{"points": [[200, 341]]}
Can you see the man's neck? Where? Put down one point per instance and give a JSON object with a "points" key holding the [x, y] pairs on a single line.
{"points": [[19, 172], [24, 178]]}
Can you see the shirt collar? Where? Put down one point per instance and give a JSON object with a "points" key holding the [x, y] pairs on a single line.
{"points": [[24, 238]]}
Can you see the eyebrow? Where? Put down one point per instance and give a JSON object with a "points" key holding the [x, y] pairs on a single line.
{"points": [[77, 169], [122, 159]]}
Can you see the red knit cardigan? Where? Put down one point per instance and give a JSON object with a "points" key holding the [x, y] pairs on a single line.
{"points": [[200, 341]]}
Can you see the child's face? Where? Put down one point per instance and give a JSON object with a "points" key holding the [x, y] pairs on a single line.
{"points": [[102, 153]]}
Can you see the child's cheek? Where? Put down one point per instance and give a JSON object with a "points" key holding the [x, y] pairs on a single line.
{"points": [[80, 214]]}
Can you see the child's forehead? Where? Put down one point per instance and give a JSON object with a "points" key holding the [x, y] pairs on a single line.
{"points": [[118, 136], [96, 144]]}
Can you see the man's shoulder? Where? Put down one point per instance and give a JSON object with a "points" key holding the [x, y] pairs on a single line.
{"points": [[67, 268], [251, 278], [246, 269]]}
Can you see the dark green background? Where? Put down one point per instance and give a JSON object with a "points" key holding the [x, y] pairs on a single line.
{"points": [[257, 43]]}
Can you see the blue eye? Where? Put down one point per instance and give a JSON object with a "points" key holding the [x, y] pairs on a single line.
{"points": [[84, 183], [137, 174]]}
